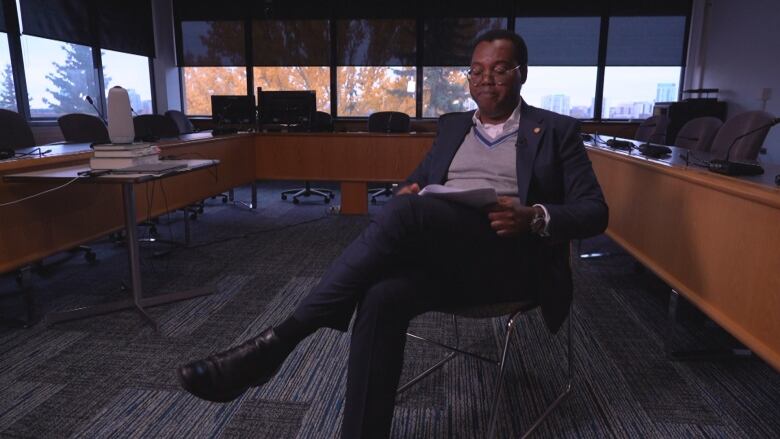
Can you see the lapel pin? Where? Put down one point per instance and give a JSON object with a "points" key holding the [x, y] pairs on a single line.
{"points": [[536, 130]]}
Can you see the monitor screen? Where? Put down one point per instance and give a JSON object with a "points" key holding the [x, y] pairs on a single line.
{"points": [[232, 110], [287, 107]]}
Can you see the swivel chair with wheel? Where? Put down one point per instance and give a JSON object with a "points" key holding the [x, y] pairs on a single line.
{"points": [[183, 123], [748, 147], [83, 128], [387, 122], [652, 130], [697, 134], [16, 133], [321, 123]]}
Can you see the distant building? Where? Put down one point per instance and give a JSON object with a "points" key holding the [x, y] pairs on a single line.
{"points": [[666, 92], [632, 110], [557, 103]]}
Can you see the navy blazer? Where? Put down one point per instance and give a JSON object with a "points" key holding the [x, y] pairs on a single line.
{"points": [[553, 170]]}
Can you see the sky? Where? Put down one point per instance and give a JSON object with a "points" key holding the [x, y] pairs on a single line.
{"points": [[129, 71]]}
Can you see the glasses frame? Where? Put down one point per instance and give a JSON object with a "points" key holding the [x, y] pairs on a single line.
{"points": [[500, 77]]}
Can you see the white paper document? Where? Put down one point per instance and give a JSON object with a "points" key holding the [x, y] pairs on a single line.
{"points": [[471, 197]]}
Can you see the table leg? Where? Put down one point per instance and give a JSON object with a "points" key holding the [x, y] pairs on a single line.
{"points": [[354, 198]]}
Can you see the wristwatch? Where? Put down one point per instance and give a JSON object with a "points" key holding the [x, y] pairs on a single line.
{"points": [[538, 223]]}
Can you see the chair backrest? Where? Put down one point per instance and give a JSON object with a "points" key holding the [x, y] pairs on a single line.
{"points": [[79, 127], [15, 133], [746, 148], [151, 126], [182, 122], [652, 129], [697, 134], [322, 122], [389, 122]]}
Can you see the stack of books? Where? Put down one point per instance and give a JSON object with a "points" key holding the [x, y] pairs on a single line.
{"points": [[123, 155]]}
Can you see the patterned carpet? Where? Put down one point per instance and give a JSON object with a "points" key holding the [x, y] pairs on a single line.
{"points": [[113, 376]]}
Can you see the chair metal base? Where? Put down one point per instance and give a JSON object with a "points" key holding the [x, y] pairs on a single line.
{"points": [[386, 191], [308, 191], [501, 362]]}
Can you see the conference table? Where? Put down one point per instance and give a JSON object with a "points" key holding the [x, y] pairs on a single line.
{"points": [[710, 237], [715, 239], [66, 218], [78, 174]]}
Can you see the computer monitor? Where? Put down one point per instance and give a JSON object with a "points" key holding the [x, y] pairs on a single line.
{"points": [[291, 108], [232, 110]]}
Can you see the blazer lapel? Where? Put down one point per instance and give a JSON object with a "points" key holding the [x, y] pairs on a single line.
{"points": [[531, 132]]}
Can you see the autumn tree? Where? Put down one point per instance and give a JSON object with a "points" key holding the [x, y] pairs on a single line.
{"points": [[72, 81], [7, 92]]}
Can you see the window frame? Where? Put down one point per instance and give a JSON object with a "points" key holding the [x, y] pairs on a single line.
{"points": [[602, 12]]}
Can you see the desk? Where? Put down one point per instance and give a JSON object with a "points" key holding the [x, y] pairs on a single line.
{"points": [[77, 214], [715, 239], [127, 182], [354, 159]]}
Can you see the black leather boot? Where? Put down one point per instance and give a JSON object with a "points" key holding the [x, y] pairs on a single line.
{"points": [[224, 376]]}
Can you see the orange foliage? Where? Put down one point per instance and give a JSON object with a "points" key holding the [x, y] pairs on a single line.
{"points": [[202, 82]]}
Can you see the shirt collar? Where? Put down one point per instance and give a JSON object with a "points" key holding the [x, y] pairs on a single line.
{"points": [[513, 120]]}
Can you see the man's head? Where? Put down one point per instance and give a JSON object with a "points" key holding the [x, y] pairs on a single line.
{"points": [[499, 67]]}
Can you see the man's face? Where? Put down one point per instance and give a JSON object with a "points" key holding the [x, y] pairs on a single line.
{"points": [[494, 86]]}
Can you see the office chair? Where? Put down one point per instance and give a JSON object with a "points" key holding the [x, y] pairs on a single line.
{"points": [[652, 130], [748, 147], [513, 310], [387, 122], [182, 122], [321, 123], [83, 128], [16, 133], [153, 127], [697, 134]]}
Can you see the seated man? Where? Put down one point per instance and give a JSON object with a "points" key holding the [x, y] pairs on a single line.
{"points": [[422, 253]]}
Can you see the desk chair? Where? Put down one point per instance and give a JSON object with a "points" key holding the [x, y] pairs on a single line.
{"points": [[16, 134], [652, 130], [514, 310], [182, 122], [387, 122], [83, 128], [322, 123], [748, 147], [697, 134], [153, 127]]}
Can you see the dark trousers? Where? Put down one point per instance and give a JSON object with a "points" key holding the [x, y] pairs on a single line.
{"points": [[417, 254]]}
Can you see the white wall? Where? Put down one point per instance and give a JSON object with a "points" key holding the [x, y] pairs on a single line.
{"points": [[735, 46], [166, 75]]}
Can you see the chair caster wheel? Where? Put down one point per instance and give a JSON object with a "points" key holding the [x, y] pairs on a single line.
{"points": [[373, 201], [296, 201], [224, 200], [327, 200], [284, 197]]}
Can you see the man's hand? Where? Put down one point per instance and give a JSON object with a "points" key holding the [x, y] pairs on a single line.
{"points": [[508, 219], [409, 189]]}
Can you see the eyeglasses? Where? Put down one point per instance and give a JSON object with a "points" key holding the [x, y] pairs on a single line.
{"points": [[501, 73]]}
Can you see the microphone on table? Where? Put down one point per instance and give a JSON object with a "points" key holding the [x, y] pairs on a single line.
{"points": [[91, 102], [728, 167]]}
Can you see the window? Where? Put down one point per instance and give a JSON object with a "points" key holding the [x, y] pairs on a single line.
{"points": [[366, 90], [296, 78], [644, 65], [375, 72], [202, 82], [59, 77], [446, 55], [7, 90], [293, 55], [562, 58], [130, 72]]}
